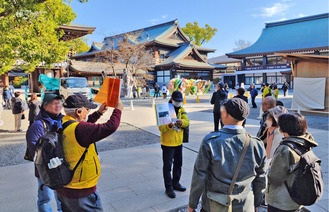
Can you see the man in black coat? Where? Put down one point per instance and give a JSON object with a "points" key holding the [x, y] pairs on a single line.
{"points": [[217, 99], [240, 95]]}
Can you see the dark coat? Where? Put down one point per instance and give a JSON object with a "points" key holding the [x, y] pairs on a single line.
{"points": [[242, 97], [17, 105], [34, 107], [218, 99], [253, 92], [36, 130]]}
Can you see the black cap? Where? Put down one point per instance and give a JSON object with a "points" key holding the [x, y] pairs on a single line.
{"points": [[237, 108], [78, 101], [177, 96], [50, 97]]}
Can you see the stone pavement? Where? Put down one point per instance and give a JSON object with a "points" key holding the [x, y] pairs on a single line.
{"points": [[131, 178]]}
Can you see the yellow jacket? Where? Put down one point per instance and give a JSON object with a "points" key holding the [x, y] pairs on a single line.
{"points": [[87, 173], [266, 91], [169, 136]]}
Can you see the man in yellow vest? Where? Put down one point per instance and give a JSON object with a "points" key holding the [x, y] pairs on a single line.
{"points": [[172, 146], [79, 142]]}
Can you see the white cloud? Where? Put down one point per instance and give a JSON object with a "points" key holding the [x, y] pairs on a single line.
{"points": [[276, 10], [158, 20]]}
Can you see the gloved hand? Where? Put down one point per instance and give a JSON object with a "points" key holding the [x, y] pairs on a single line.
{"points": [[54, 162]]}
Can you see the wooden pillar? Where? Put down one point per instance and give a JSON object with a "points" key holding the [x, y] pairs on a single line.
{"points": [[4, 79]]}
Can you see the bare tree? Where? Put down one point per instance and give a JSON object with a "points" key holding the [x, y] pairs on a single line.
{"points": [[109, 57], [133, 56], [241, 44]]}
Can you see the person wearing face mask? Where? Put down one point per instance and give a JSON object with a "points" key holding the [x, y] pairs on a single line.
{"points": [[267, 103], [172, 146], [48, 118], [274, 137], [80, 136]]}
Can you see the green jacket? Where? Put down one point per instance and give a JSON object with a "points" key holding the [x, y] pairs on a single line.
{"points": [[215, 166], [284, 158]]}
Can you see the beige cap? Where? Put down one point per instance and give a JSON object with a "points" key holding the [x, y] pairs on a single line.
{"points": [[277, 111]]}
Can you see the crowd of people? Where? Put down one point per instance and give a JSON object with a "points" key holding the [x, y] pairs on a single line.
{"points": [[233, 170], [263, 163]]}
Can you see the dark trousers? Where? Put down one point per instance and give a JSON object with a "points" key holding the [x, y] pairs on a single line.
{"points": [[284, 92], [253, 102], [170, 156], [217, 121], [273, 209], [156, 94], [89, 203]]}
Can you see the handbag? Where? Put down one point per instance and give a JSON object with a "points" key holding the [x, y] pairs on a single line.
{"points": [[23, 116], [223, 202], [186, 134]]}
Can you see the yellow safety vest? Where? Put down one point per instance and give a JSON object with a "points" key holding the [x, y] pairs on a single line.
{"points": [[169, 136], [88, 172]]}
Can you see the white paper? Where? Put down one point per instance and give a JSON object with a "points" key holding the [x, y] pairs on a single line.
{"points": [[165, 113]]}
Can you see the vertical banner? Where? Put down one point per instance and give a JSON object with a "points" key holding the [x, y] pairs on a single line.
{"points": [[42, 94], [26, 94]]}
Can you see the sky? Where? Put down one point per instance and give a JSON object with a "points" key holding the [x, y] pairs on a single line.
{"points": [[234, 19]]}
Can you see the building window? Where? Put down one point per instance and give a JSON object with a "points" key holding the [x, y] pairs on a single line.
{"points": [[248, 80], [271, 79], [258, 80], [163, 76]]}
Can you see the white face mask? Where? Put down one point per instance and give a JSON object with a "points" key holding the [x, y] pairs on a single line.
{"points": [[86, 119], [268, 123], [177, 104]]}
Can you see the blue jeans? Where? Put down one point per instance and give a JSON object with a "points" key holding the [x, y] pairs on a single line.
{"points": [[44, 197]]}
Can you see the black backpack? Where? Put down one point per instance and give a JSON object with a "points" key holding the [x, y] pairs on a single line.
{"points": [[49, 146], [307, 187]]}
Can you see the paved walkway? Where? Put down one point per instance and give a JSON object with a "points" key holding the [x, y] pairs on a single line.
{"points": [[131, 178]]}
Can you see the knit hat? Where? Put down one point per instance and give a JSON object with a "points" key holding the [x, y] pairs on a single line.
{"points": [[237, 108]]}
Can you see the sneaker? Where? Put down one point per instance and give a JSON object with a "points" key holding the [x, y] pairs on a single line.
{"points": [[179, 187], [170, 193]]}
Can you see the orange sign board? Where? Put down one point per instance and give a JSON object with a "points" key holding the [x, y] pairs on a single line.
{"points": [[109, 92]]}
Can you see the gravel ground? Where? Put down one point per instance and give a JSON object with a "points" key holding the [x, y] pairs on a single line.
{"points": [[12, 151]]}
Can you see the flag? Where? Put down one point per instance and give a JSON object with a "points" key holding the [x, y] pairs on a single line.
{"points": [[109, 92]]}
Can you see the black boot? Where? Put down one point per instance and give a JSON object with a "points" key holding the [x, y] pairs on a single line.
{"points": [[179, 187], [170, 193]]}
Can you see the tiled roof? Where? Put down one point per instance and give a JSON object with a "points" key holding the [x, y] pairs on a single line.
{"points": [[177, 56], [222, 59], [158, 34], [295, 35], [96, 67]]}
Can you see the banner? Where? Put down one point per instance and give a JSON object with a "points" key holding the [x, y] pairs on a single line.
{"points": [[309, 93]]}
